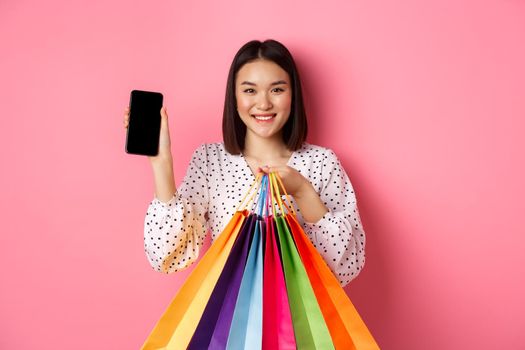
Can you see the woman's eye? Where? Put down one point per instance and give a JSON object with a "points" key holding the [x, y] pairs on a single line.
{"points": [[249, 90], [278, 90]]}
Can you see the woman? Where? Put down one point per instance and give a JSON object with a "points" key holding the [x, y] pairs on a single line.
{"points": [[264, 129]]}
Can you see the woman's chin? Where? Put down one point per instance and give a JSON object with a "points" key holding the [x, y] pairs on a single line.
{"points": [[264, 134]]}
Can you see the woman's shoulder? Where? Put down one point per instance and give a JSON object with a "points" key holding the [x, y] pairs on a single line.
{"points": [[211, 150], [213, 147], [313, 150]]}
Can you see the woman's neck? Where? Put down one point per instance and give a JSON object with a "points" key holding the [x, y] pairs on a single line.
{"points": [[264, 148]]}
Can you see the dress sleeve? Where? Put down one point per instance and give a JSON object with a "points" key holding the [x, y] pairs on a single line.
{"points": [[174, 231], [339, 234]]}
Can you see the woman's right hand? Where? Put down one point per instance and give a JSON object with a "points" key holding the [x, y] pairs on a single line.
{"points": [[164, 154], [162, 163]]}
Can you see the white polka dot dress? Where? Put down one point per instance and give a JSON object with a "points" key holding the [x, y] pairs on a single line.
{"points": [[212, 189]]}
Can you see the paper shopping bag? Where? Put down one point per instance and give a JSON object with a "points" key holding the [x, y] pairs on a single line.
{"points": [[278, 332], [246, 326], [347, 329], [214, 326], [177, 324], [308, 322]]}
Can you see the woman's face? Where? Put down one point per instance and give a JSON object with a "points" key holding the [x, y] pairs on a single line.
{"points": [[264, 97]]}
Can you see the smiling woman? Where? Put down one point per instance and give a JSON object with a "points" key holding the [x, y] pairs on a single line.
{"points": [[264, 130], [263, 80], [263, 103]]}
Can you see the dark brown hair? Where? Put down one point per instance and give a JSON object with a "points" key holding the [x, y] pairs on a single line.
{"points": [[233, 128]]}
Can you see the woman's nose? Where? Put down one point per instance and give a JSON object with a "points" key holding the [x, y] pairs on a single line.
{"points": [[264, 102]]}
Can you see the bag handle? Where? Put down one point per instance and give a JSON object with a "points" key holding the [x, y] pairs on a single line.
{"points": [[261, 200], [268, 197], [276, 181], [244, 207], [272, 182]]}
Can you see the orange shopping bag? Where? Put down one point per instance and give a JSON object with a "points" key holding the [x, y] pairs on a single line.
{"points": [[177, 325]]}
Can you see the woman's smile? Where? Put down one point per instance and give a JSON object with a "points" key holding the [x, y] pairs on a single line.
{"points": [[264, 118]]}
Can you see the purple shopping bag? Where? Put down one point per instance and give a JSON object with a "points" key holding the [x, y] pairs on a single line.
{"points": [[214, 325]]}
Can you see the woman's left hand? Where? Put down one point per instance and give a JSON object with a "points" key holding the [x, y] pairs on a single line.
{"points": [[294, 183]]}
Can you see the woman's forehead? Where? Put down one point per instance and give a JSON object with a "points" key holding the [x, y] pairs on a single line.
{"points": [[261, 72]]}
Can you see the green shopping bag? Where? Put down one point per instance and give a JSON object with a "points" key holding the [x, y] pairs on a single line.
{"points": [[309, 325]]}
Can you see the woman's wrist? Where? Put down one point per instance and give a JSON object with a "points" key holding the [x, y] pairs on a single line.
{"points": [[164, 178], [305, 190], [162, 161], [311, 206]]}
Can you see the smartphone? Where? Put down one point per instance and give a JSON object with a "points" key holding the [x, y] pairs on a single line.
{"points": [[143, 132]]}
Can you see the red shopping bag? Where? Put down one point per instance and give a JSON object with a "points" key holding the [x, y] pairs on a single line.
{"points": [[278, 333]]}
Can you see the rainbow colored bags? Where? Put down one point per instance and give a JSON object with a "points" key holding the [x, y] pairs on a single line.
{"points": [[261, 285]]}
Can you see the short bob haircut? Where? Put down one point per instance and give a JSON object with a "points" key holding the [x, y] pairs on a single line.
{"points": [[233, 128]]}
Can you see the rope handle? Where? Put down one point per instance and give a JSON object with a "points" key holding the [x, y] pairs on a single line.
{"points": [[272, 183], [269, 198], [256, 181], [276, 181], [261, 200]]}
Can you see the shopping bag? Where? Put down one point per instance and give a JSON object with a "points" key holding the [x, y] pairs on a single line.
{"points": [[308, 322], [309, 325], [214, 325], [261, 284], [246, 326], [278, 333], [177, 324], [347, 329]]}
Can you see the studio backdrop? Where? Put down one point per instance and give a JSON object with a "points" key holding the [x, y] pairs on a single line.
{"points": [[423, 102]]}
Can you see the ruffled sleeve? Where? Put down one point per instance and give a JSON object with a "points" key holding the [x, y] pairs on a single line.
{"points": [[339, 234], [174, 231]]}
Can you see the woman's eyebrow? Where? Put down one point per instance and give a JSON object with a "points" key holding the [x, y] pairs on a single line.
{"points": [[278, 82]]}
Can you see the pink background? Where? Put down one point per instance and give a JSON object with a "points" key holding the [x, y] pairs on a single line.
{"points": [[423, 102]]}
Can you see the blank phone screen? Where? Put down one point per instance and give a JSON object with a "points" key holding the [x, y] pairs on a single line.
{"points": [[144, 123]]}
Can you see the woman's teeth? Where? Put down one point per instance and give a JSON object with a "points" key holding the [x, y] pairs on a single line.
{"points": [[260, 117]]}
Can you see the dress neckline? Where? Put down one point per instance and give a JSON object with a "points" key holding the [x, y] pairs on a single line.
{"points": [[249, 169]]}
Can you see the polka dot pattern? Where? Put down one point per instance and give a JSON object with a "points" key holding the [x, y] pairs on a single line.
{"points": [[212, 189]]}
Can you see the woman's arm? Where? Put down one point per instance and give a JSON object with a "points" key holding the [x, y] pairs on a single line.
{"points": [[175, 221], [162, 163], [175, 229], [331, 218], [164, 180], [339, 235], [310, 204]]}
